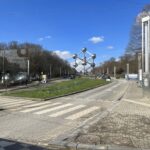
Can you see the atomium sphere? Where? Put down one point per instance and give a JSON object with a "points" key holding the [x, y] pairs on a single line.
{"points": [[94, 56], [84, 50], [84, 63], [93, 65], [75, 65], [74, 56]]}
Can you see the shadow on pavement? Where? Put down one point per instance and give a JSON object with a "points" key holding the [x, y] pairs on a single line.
{"points": [[15, 145]]}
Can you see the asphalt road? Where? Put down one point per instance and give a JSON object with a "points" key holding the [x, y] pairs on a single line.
{"points": [[42, 122]]}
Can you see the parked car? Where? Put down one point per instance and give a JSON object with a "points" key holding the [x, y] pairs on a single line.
{"points": [[106, 77], [72, 76], [19, 78], [5, 78], [35, 77]]}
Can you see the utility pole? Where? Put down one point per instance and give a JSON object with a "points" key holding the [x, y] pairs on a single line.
{"points": [[114, 71], [28, 67], [50, 71], [128, 69], [60, 72], [146, 51], [103, 70], [107, 70], [140, 72], [68, 73], [4, 67]]}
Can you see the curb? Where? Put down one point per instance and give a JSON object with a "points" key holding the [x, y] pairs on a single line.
{"points": [[79, 146]]}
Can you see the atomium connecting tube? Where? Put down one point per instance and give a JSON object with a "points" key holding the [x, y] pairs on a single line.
{"points": [[84, 60]]}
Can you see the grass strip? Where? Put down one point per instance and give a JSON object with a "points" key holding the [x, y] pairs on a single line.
{"points": [[59, 89]]}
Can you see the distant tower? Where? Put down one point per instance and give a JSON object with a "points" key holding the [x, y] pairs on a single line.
{"points": [[84, 58], [146, 50]]}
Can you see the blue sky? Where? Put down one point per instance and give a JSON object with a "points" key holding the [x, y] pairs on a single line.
{"points": [[66, 26]]}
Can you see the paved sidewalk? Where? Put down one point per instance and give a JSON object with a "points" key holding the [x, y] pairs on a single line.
{"points": [[127, 125]]}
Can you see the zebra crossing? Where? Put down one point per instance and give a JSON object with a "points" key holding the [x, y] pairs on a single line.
{"points": [[52, 109]]}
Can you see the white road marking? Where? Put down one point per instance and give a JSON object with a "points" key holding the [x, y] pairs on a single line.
{"points": [[82, 113], [139, 103], [13, 103], [13, 99], [9, 101], [18, 104], [38, 104], [52, 109], [66, 111], [109, 90], [39, 107], [5, 100]]}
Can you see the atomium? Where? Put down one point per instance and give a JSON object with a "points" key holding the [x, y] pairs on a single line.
{"points": [[84, 58]]}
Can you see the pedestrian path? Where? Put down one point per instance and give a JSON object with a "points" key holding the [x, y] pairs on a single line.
{"points": [[51, 109]]}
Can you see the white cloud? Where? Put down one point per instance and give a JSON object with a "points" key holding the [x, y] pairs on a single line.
{"points": [[48, 37], [40, 39], [63, 54], [110, 47], [45, 37], [105, 56], [96, 39], [117, 59]]}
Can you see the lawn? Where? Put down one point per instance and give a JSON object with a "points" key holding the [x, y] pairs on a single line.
{"points": [[59, 89]]}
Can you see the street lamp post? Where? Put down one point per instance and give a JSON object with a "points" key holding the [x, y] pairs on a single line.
{"points": [[146, 51], [140, 68], [50, 71], [3, 67], [114, 71], [28, 67], [128, 69], [107, 70], [127, 72], [60, 72]]}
